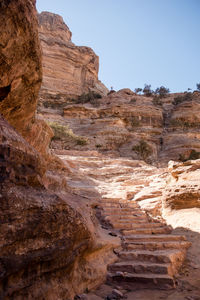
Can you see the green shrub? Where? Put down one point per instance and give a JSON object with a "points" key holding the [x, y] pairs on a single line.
{"points": [[156, 101], [89, 97], [143, 149], [182, 124], [98, 145], [138, 90], [192, 156], [147, 90], [162, 91], [60, 131], [182, 98], [133, 121], [64, 133], [133, 101], [81, 141]]}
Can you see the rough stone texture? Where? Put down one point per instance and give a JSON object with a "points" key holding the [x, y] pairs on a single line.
{"points": [[115, 126], [20, 60], [48, 248], [52, 245], [181, 128], [68, 69], [118, 122], [181, 197], [36, 247]]}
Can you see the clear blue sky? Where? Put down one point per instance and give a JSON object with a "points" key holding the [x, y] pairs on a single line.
{"points": [[138, 41]]}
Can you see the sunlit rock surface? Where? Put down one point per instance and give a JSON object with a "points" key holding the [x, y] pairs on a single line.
{"points": [[68, 70], [52, 245]]}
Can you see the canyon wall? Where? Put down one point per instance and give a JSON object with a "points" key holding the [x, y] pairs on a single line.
{"points": [[51, 242], [69, 70], [118, 122]]}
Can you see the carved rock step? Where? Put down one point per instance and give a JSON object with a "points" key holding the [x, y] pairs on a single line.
{"points": [[156, 245], [159, 256], [141, 281], [141, 268], [157, 238], [117, 211], [155, 230], [124, 225], [145, 225], [118, 214], [119, 205], [129, 220]]}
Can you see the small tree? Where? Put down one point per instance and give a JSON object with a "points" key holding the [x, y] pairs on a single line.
{"points": [[162, 91], [198, 87], [138, 90], [147, 90], [143, 149]]}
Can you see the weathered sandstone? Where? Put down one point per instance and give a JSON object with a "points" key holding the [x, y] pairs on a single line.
{"points": [[68, 69], [52, 246], [20, 60], [181, 197]]}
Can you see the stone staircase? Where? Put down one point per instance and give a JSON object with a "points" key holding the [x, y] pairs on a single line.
{"points": [[150, 256]]}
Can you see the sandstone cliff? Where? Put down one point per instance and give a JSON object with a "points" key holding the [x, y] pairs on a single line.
{"points": [[130, 125], [69, 70], [51, 242], [53, 245]]}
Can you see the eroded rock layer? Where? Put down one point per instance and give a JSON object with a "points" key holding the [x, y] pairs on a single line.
{"points": [[20, 60], [51, 242], [68, 69]]}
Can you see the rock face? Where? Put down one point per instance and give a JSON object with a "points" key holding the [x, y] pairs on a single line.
{"points": [[129, 125], [114, 124], [52, 246], [68, 70], [36, 248], [181, 131], [181, 198], [121, 123], [20, 60]]}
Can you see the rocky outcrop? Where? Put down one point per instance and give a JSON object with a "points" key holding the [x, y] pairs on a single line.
{"points": [[20, 60], [52, 246], [116, 124], [68, 70], [181, 130], [121, 123], [129, 125], [36, 248], [181, 197]]}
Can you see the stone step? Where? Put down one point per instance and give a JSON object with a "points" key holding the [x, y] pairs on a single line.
{"points": [[141, 268], [156, 245], [118, 200], [155, 230], [117, 211], [129, 219], [120, 214], [145, 225], [119, 205], [141, 281], [152, 237], [173, 256], [124, 225]]}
